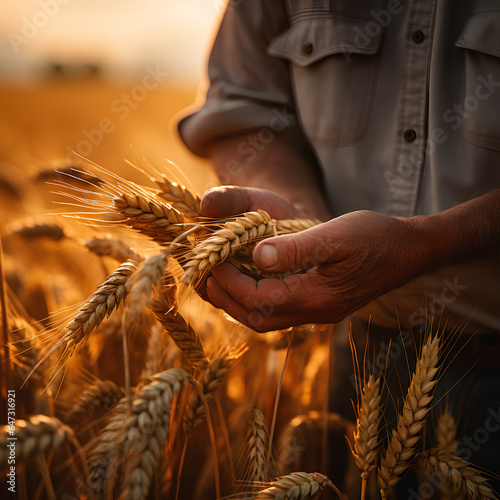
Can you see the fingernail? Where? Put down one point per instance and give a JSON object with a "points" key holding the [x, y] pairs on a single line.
{"points": [[268, 256]]}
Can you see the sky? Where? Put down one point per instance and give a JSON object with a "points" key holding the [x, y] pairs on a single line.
{"points": [[121, 36]]}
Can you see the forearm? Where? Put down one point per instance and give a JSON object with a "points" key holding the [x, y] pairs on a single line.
{"points": [[276, 166], [466, 232]]}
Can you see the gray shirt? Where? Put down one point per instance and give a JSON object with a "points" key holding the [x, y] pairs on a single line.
{"points": [[398, 100]]}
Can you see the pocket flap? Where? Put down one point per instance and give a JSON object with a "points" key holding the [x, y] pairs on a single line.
{"points": [[482, 33], [308, 41]]}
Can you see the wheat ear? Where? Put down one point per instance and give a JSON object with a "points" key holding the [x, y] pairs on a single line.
{"points": [[212, 377], [287, 226], [36, 435], [257, 444], [159, 221], [101, 396], [401, 448], [52, 232], [100, 304], [224, 243], [295, 486], [459, 473], [142, 432], [366, 437], [112, 247], [446, 431], [179, 197], [188, 341]]}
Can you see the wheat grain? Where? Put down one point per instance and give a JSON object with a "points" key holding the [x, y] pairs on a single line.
{"points": [[401, 448], [36, 435], [224, 243], [458, 473], [295, 486]]}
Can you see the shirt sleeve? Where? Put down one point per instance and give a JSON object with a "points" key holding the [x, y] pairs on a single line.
{"points": [[249, 90]]}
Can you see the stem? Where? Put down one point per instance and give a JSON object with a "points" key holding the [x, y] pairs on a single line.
{"points": [[126, 363], [197, 388], [44, 470], [5, 329], [334, 488], [227, 440], [181, 466], [364, 481], [276, 403]]}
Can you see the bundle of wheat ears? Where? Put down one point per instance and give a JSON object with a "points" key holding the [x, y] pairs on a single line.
{"points": [[110, 394]]}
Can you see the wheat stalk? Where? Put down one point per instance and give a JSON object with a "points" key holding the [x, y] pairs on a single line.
{"points": [[159, 221], [179, 197], [36, 435], [458, 473], [295, 486], [112, 247], [101, 396], [401, 448], [257, 444], [137, 432], [224, 243]]}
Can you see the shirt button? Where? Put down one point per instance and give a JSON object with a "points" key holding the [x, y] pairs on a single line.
{"points": [[418, 36], [409, 135], [307, 48]]}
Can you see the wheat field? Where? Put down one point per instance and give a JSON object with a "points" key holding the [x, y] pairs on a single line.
{"points": [[121, 382]]}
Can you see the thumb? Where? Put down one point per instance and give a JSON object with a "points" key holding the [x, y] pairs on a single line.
{"points": [[223, 201], [292, 252]]}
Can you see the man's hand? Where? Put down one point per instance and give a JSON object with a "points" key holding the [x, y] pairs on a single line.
{"points": [[349, 260]]}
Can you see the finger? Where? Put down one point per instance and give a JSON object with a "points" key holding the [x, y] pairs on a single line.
{"points": [[253, 295], [303, 250], [256, 320], [223, 201], [221, 299]]}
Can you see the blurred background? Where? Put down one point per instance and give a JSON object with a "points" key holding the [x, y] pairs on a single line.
{"points": [[104, 78]]}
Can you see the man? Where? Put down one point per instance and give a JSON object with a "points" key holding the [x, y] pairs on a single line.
{"points": [[384, 115]]}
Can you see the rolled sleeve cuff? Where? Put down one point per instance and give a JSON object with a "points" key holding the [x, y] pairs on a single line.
{"points": [[224, 119]]}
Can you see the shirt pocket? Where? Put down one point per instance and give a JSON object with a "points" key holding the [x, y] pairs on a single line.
{"points": [[333, 71], [481, 106]]}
